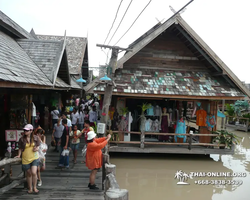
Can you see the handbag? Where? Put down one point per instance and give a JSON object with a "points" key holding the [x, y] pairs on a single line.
{"points": [[53, 143]]}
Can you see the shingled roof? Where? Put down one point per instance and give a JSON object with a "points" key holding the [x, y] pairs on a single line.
{"points": [[17, 66], [75, 46], [13, 27], [46, 54], [162, 82]]}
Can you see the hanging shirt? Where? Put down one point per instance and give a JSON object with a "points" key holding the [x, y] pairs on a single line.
{"points": [[74, 117], [150, 111], [157, 111], [156, 125], [148, 125], [33, 110], [201, 116], [92, 116], [211, 122]]}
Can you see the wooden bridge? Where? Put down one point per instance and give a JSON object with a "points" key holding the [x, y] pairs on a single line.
{"points": [[66, 184]]}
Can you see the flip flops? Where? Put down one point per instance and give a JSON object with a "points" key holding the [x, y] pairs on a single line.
{"points": [[30, 192], [36, 192]]}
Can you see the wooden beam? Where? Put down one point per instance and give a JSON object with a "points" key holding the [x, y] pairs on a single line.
{"points": [[173, 96], [10, 161]]}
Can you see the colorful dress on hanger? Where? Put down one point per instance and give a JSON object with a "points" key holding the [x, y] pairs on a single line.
{"points": [[211, 122], [180, 129], [164, 128]]}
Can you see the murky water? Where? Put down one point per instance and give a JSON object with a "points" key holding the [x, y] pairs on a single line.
{"points": [[151, 176]]}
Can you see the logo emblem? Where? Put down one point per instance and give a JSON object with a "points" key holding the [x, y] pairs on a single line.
{"points": [[183, 177]]}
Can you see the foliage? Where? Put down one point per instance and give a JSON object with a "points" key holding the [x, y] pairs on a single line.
{"points": [[124, 110], [144, 107], [227, 138], [239, 106], [230, 110]]}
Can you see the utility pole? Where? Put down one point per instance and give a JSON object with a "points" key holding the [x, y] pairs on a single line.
{"points": [[109, 86], [107, 98]]}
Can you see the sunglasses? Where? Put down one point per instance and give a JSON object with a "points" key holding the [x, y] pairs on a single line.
{"points": [[26, 130]]}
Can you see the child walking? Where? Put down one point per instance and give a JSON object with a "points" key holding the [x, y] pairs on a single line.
{"points": [[75, 141]]}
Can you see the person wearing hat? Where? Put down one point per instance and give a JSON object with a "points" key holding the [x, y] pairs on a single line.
{"points": [[94, 155], [28, 147]]}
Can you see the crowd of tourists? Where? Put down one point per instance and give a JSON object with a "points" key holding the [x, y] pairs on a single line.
{"points": [[66, 136]]}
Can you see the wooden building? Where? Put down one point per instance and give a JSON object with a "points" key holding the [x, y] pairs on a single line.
{"points": [[36, 71], [172, 67]]}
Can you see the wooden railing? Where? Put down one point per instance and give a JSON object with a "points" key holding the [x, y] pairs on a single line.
{"points": [[6, 178], [189, 144], [243, 127]]}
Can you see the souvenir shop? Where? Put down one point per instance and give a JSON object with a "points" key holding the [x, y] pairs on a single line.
{"points": [[163, 116]]}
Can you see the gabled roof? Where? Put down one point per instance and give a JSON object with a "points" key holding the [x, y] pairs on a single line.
{"points": [[194, 40], [75, 46], [12, 27], [17, 66], [46, 54]]}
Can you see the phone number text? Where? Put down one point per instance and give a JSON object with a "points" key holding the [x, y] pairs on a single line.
{"points": [[218, 182]]}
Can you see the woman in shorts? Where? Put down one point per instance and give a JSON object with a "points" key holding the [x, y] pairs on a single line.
{"points": [[28, 147], [42, 152], [75, 141]]}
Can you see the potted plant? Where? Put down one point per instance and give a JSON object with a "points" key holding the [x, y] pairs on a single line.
{"points": [[227, 138], [124, 111]]}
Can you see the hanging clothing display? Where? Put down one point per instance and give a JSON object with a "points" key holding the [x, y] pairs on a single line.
{"points": [[148, 125], [150, 111], [180, 129], [157, 111], [155, 126], [211, 122], [164, 128], [201, 116]]}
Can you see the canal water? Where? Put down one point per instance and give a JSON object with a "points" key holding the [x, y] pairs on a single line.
{"points": [[152, 176]]}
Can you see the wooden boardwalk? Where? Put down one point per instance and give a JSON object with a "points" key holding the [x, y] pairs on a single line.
{"points": [[60, 184]]}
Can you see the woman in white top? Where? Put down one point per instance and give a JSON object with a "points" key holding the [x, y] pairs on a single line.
{"points": [[81, 118], [42, 152], [54, 115]]}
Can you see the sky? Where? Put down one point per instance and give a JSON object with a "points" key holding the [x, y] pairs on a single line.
{"points": [[222, 24]]}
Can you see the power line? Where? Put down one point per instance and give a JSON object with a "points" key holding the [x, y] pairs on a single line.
{"points": [[113, 21], [134, 21], [120, 21]]}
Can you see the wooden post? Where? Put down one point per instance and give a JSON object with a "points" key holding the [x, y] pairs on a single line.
{"points": [[105, 161], [190, 141], [223, 110], [7, 171], [142, 139]]}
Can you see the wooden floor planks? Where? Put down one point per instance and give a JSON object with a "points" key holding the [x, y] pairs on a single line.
{"points": [[59, 184]]}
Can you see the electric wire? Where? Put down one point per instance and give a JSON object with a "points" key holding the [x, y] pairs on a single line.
{"points": [[134, 22], [120, 21], [113, 20]]}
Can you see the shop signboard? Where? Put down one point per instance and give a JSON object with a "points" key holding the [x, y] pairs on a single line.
{"points": [[11, 135]]}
